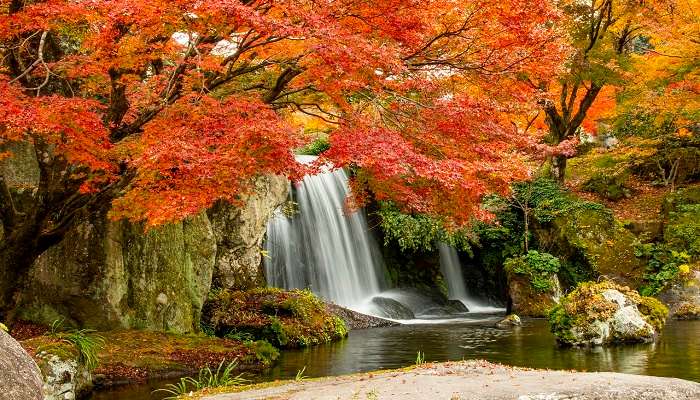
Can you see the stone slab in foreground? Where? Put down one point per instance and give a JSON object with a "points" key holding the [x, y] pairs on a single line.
{"points": [[481, 380]]}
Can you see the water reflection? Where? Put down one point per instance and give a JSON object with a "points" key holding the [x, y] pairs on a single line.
{"points": [[677, 354]]}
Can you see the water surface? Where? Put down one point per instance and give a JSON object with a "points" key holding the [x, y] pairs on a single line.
{"points": [[676, 354]]}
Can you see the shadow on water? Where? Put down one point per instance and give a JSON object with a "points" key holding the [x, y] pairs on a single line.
{"points": [[676, 354]]}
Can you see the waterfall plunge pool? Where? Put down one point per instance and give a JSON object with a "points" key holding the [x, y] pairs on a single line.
{"points": [[675, 354]]}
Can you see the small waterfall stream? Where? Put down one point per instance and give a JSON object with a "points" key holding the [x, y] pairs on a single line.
{"points": [[451, 269], [323, 248]]}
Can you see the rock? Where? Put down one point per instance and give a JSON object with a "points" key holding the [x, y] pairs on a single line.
{"points": [[287, 319], [239, 233], [457, 306], [112, 275], [20, 378], [390, 308], [65, 377], [605, 313], [592, 238], [687, 311], [530, 298], [509, 321], [355, 320]]}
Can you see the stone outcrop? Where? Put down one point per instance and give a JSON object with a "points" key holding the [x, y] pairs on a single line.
{"points": [[533, 285], [64, 378], [107, 275], [598, 314], [111, 274], [20, 378], [593, 238], [239, 233]]}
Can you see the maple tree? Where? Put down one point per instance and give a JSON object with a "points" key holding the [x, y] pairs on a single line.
{"points": [[605, 36], [156, 109]]}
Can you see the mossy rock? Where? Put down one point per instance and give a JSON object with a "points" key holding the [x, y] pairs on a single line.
{"points": [[593, 239], [609, 186], [287, 319], [687, 311], [606, 313], [533, 284]]}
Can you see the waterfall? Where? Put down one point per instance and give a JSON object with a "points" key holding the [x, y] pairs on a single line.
{"points": [[456, 286], [322, 247], [452, 272]]}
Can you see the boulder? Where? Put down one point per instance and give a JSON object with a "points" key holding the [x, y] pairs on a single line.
{"points": [[239, 233], [20, 378], [592, 238], [288, 319], [109, 275], [392, 309], [458, 306], [596, 314], [532, 292], [509, 321]]}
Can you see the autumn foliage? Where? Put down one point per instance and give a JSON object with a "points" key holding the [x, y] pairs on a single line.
{"points": [[163, 107]]}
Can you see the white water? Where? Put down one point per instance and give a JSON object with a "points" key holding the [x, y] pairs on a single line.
{"points": [[452, 272], [322, 248]]}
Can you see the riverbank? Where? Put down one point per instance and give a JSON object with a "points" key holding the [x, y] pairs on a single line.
{"points": [[473, 380]]}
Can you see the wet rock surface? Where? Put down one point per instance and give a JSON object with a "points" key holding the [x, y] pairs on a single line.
{"points": [[391, 308], [355, 320]]}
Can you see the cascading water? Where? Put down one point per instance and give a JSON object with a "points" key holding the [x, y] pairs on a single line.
{"points": [[452, 272], [322, 247]]}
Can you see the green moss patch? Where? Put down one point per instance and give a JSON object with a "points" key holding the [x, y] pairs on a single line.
{"points": [[287, 319], [139, 355]]}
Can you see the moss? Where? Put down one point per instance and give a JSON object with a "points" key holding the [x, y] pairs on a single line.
{"points": [[586, 307], [539, 268], [284, 318], [654, 312], [609, 186], [687, 311]]}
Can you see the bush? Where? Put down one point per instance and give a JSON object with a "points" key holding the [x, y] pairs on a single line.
{"points": [[538, 267], [291, 319], [417, 232], [665, 266]]}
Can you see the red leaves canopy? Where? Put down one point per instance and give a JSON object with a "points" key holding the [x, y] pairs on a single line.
{"points": [[183, 103]]}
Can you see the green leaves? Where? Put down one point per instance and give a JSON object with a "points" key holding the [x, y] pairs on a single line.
{"points": [[539, 267]]}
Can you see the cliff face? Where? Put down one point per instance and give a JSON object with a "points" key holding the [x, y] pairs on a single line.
{"points": [[112, 274]]}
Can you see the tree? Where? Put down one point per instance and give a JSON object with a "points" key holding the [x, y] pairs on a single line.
{"points": [[156, 109], [603, 34]]}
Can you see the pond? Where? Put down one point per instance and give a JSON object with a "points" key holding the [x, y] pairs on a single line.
{"points": [[676, 354]]}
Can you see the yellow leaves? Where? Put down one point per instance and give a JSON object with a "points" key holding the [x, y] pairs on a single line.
{"points": [[684, 133]]}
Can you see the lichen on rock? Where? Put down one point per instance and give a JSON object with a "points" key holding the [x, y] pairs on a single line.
{"points": [[20, 378], [605, 313]]}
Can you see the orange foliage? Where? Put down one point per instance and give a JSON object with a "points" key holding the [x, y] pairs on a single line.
{"points": [[175, 104]]}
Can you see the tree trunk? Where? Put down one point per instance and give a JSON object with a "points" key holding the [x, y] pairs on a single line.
{"points": [[558, 171]]}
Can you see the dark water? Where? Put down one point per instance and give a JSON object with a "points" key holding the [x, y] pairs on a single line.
{"points": [[676, 354]]}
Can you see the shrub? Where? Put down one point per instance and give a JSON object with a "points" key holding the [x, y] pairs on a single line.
{"points": [[538, 267], [417, 232], [663, 268]]}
